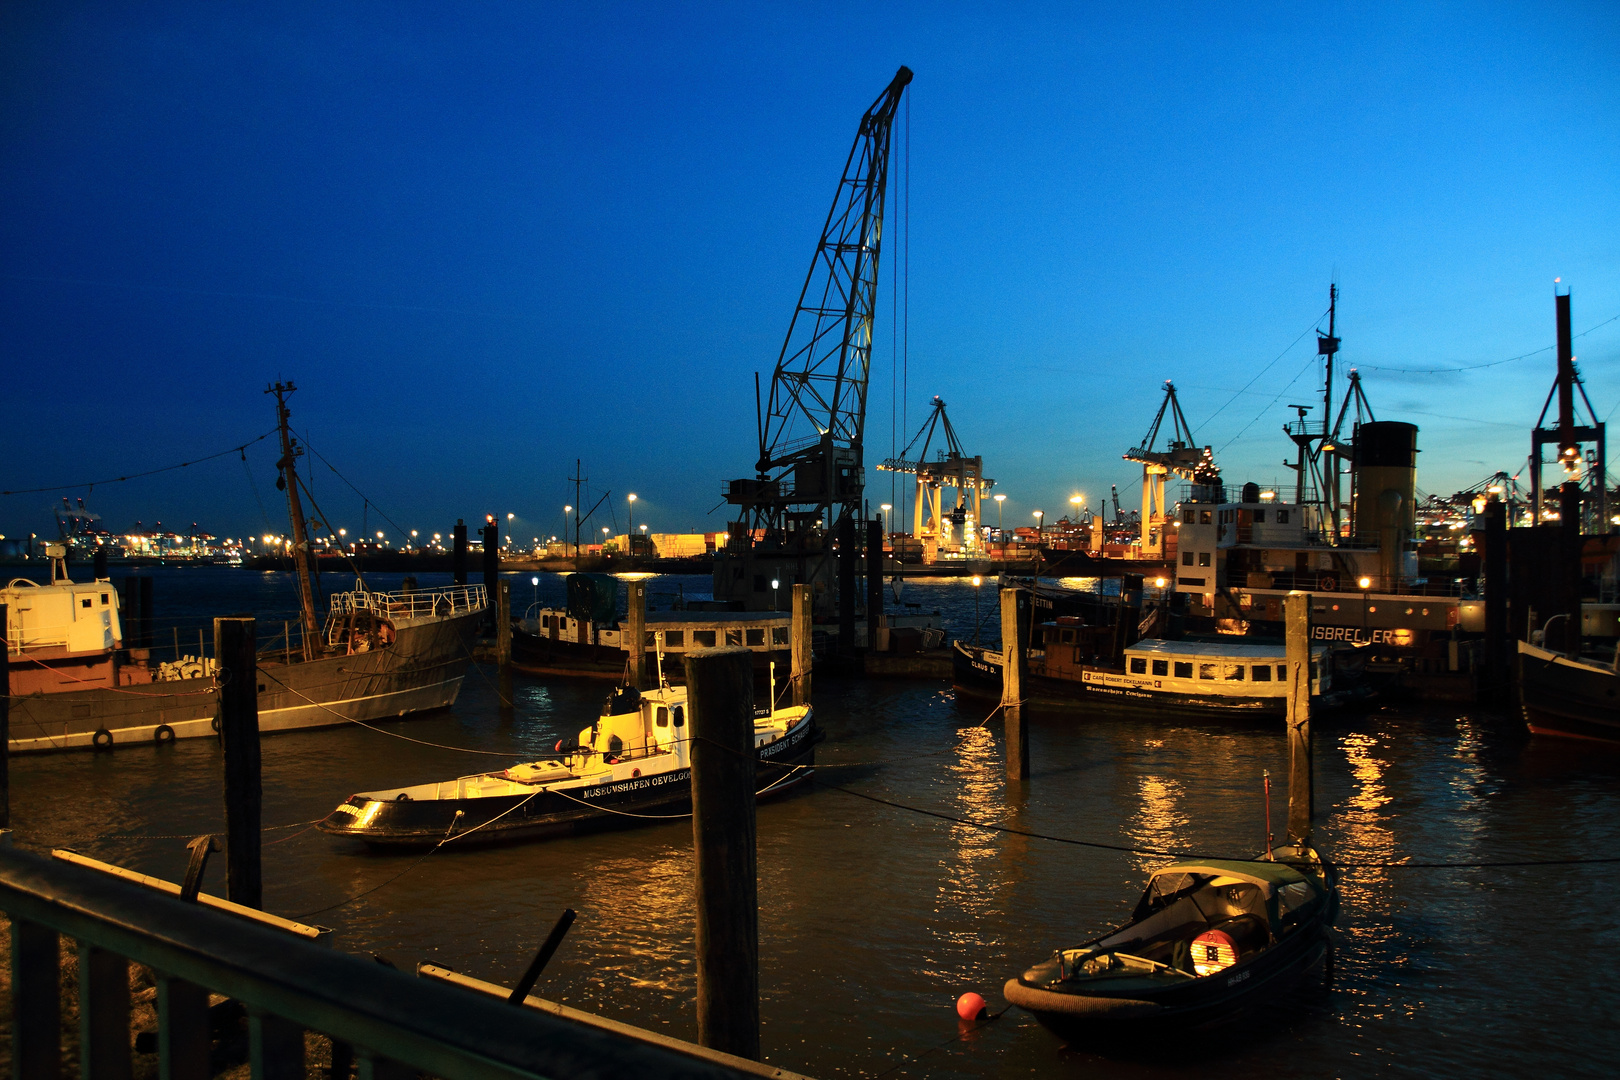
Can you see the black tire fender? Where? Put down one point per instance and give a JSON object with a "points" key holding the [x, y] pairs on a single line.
{"points": [[102, 739], [162, 734]]}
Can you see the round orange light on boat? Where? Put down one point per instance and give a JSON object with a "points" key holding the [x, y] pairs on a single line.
{"points": [[1213, 951]]}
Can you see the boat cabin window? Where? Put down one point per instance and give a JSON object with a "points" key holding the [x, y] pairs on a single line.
{"points": [[1282, 517], [674, 639], [1186, 558], [1187, 516], [1138, 665], [680, 716], [1282, 672], [1203, 517], [733, 637], [662, 719], [1232, 672], [755, 636], [1206, 671], [703, 639], [85, 602], [1161, 667], [1260, 517], [1203, 558], [1068, 637], [1183, 669], [1262, 673], [103, 599], [651, 640], [1314, 672], [779, 635]]}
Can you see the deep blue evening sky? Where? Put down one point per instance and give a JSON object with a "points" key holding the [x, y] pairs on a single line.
{"points": [[486, 239]]}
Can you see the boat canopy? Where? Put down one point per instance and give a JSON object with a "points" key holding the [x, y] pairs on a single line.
{"points": [[1269, 876]]}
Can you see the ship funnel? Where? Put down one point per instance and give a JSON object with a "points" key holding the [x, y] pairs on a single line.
{"points": [[1385, 483]]}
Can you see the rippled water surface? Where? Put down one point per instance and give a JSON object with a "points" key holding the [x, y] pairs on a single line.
{"points": [[873, 919]]}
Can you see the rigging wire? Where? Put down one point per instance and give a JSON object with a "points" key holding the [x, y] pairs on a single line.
{"points": [[1489, 363], [1268, 367], [364, 497], [1307, 366], [150, 472]]}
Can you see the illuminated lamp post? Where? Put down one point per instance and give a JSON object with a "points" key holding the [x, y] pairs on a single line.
{"points": [[1040, 527], [566, 511], [630, 534], [977, 581], [999, 500], [775, 584]]}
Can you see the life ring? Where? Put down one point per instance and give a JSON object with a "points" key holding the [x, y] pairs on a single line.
{"points": [[1328, 583], [163, 733], [402, 797], [635, 772], [102, 739]]}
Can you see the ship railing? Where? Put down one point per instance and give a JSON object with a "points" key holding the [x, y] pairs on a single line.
{"points": [[394, 1024], [1331, 582], [416, 604]]}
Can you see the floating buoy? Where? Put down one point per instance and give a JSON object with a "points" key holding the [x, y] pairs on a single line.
{"points": [[970, 1006]]}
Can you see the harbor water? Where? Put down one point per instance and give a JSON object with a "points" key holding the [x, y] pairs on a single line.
{"points": [[875, 917]]}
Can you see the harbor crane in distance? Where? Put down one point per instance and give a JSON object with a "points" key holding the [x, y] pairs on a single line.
{"points": [[959, 529], [1182, 456], [1589, 470], [806, 493]]}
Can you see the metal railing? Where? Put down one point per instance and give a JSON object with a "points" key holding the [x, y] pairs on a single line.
{"points": [[417, 604], [397, 1025]]}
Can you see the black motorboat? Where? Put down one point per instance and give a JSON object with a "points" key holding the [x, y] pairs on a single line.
{"points": [[1208, 938]]}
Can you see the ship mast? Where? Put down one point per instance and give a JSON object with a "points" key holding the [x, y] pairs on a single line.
{"points": [[295, 510]]}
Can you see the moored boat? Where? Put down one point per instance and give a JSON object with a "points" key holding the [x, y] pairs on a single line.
{"points": [[76, 686], [1207, 939], [1234, 678], [634, 760], [1560, 695]]}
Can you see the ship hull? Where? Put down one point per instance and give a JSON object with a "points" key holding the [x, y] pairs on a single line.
{"points": [[422, 670], [1566, 698]]}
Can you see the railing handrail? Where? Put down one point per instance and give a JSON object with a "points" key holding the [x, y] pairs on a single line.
{"points": [[417, 604], [424, 1025]]}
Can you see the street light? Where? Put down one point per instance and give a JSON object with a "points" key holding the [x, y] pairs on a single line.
{"points": [[775, 583], [632, 530], [1039, 526], [886, 507], [999, 500], [535, 581]]}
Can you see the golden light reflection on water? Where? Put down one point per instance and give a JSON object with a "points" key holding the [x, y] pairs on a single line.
{"points": [[1159, 822], [646, 898]]}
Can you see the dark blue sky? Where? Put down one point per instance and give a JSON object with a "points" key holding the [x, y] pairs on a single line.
{"points": [[488, 239]]}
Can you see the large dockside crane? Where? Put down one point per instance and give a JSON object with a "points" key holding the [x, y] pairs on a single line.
{"points": [[959, 529], [1183, 456], [807, 489], [1589, 470]]}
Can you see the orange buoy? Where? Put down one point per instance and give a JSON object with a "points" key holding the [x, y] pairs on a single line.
{"points": [[970, 1006]]}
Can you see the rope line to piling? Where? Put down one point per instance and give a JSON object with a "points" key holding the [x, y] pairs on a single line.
{"points": [[383, 731], [184, 836], [991, 827]]}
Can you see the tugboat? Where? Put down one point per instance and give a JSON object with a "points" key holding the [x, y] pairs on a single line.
{"points": [[75, 686], [1569, 696], [634, 760], [1208, 938]]}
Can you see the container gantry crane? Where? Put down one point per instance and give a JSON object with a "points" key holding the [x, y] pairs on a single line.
{"points": [[958, 529], [809, 479], [1182, 456]]}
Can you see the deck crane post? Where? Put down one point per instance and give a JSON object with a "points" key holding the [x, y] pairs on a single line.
{"points": [[809, 477], [1589, 470], [959, 529], [1183, 456]]}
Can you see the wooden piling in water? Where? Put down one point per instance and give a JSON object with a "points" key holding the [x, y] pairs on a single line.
{"points": [[458, 552], [1301, 799], [720, 689], [637, 595], [1498, 657], [503, 624], [799, 636], [846, 585], [235, 647], [1013, 670]]}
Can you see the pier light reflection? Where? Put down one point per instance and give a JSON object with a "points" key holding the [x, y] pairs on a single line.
{"points": [[1365, 834], [969, 890], [1159, 821]]}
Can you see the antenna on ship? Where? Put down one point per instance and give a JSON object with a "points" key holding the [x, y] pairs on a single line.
{"points": [[295, 510]]}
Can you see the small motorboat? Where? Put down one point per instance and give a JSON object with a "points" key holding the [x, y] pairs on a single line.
{"points": [[632, 764], [1208, 938]]}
